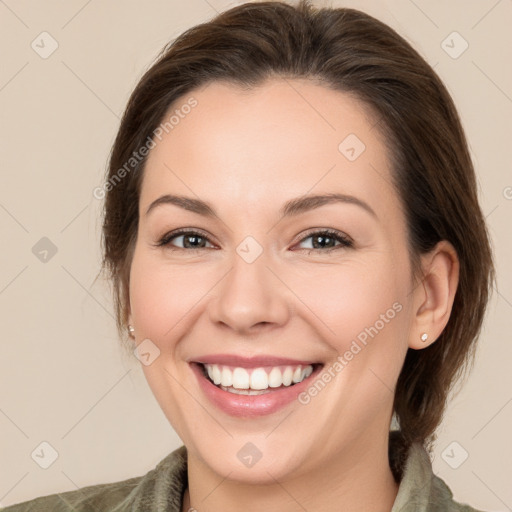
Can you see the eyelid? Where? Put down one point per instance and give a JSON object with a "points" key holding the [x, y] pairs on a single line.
{"points": [[345, 240], [166, 239], [329, 231]]}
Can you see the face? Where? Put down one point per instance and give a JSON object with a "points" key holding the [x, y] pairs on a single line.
{"points": [[304, 304]]}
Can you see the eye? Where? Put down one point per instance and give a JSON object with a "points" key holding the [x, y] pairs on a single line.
{"points": [[192, 240], [325, 241]]}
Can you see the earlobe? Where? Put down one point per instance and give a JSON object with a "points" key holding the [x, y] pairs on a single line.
{"points": [[433, 300], [129, 327]]}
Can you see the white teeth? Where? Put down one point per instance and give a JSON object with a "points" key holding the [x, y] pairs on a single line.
{"points": [[216, 375], [240, 378], [227, 377], [275, 379], [297, 374], [256, 379], [287, 376], [259, 379]]}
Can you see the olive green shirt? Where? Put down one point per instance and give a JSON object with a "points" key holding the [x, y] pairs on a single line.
{"points": [[162, 488]]}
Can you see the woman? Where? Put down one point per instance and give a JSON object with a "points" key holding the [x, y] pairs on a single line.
{"points": [[297, 251]]}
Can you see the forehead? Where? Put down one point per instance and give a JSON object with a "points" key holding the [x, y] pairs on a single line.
{"points": [[282, 139]]}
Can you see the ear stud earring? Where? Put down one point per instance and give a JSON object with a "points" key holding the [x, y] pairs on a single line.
{"points": [[424, 337], [131, 330]]}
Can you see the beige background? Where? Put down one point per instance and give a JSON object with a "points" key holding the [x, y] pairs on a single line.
{"points": [[62, 377]]}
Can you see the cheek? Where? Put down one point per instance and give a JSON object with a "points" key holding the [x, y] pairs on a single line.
{"points": [[348, 299], [162, 296]]}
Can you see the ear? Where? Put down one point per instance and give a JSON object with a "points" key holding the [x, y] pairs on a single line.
{"points": [[434, 295], [130, 324]]}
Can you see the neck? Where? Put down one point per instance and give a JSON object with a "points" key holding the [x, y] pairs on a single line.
{"points": [[358, 479]]}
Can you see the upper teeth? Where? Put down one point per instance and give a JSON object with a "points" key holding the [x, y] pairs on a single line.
{"points": [[257, 378]]}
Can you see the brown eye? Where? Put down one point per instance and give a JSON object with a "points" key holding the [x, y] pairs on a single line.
{"points": [[192, 240], [325, 241]]}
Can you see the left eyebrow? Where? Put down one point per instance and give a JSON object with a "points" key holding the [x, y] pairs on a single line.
{"points": [[306, 203], [292, 207]]}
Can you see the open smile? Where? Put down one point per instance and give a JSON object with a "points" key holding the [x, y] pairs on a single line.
{"points": [[247, 392]]}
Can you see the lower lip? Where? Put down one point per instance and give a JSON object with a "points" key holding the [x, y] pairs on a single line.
{"points": [[250, 405]]}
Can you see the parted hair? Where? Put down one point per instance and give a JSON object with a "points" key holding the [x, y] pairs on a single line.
{"points": [[352, 52]]}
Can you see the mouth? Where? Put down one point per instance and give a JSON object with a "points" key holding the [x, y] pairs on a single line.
{"points": [[256, 381], [245, 391]]}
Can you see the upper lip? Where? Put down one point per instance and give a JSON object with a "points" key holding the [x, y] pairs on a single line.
{"points": [[249, 362]]}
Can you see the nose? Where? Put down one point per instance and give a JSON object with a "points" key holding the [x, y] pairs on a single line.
{"points": [[250, 297]]}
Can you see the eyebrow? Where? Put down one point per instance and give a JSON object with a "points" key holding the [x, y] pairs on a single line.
{"points": [[292, 207]]}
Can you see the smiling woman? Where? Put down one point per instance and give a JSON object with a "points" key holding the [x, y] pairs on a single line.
{"points": [[301, 258]]}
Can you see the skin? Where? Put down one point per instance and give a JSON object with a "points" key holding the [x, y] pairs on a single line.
{"points": [[247, 153]]}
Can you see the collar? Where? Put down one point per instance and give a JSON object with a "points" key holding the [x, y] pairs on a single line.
{"points": [[162, 489]]}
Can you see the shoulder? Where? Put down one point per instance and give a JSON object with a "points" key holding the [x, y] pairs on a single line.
{"points": [[85, 498], [420, 490], [442, 499], [163, 484]]}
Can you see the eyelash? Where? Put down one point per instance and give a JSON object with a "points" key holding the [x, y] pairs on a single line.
{"points": [[345, 242]]}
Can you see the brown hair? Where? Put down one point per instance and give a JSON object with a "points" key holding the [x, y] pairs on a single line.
{"points": [[352, 52]]}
